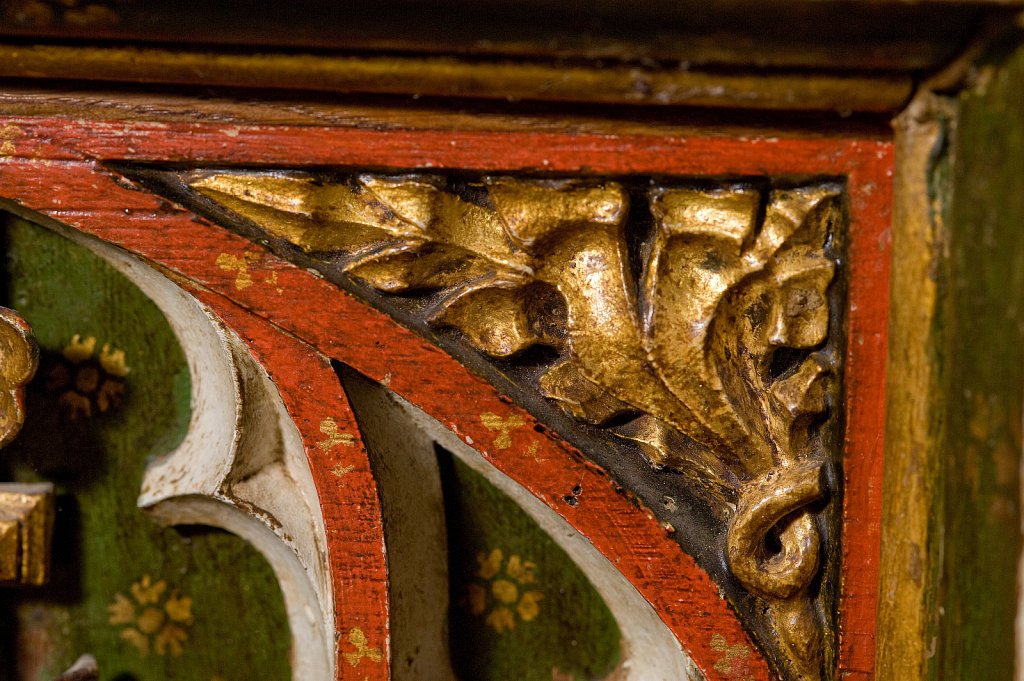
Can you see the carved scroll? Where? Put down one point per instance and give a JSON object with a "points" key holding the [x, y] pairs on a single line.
{"points": [[701, 341]]}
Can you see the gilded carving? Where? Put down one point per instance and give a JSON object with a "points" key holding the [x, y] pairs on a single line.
{"points": [[700, 341], [26, 510], [26, 529], [19, 358]]}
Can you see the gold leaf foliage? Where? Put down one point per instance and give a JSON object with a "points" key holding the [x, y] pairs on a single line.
{"points": [[703, 340], [684, 348]]}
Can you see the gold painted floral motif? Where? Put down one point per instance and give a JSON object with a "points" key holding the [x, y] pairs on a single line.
{"points": [[240, 265], [502, 591], [503, 427], [341, 471], [88, 382], [152, 619], [363, 651], [992, 454], [329, 427]]}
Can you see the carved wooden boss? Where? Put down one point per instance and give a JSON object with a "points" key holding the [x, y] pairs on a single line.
{"points": [[672, 338]]}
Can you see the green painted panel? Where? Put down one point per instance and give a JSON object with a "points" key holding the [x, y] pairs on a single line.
{"points": [[521, 609], [985, 358], [112, 392]]}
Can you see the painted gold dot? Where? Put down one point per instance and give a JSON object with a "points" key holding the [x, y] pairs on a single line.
{"points": [[505, 591], [150, 620]]}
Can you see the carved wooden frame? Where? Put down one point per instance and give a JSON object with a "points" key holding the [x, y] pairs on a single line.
{"points": [[64, 169]]}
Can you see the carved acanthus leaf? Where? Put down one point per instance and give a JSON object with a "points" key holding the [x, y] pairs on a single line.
{"points": [[705, 346]]}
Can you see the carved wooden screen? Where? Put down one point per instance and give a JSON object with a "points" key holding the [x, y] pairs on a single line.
{"points": [[672, 343]]}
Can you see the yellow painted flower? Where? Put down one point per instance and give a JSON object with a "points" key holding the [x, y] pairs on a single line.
{"points": [[88, 382], [149, 621], [506, 596]]}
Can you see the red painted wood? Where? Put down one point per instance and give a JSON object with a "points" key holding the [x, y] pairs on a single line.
{"points": [[347, 492], [870, 191], [330, 320]]}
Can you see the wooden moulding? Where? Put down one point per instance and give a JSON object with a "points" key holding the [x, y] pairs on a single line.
{"points": [[546, 81], [951, 519], [892, 35], [911, 524]]}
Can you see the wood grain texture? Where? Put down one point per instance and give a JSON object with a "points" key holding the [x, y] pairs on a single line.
{"points": [[912, 511], [893, 35], [406, 113], [984, 348], [51, 156], [454, 77]]}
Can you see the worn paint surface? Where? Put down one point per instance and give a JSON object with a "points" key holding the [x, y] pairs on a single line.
{"points": [[912, 517], [150, 603], [521, 609], [59, 153], [348, 494], [982, 399]]}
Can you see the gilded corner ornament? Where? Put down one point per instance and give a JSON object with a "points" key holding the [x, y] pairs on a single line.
{"points": [[697, 333]]}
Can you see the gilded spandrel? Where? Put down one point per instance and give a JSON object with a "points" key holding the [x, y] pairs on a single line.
{"points": [[705, 344]]}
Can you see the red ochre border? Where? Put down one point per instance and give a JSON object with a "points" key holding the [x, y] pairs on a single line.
{"points": [[54, 166]]}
